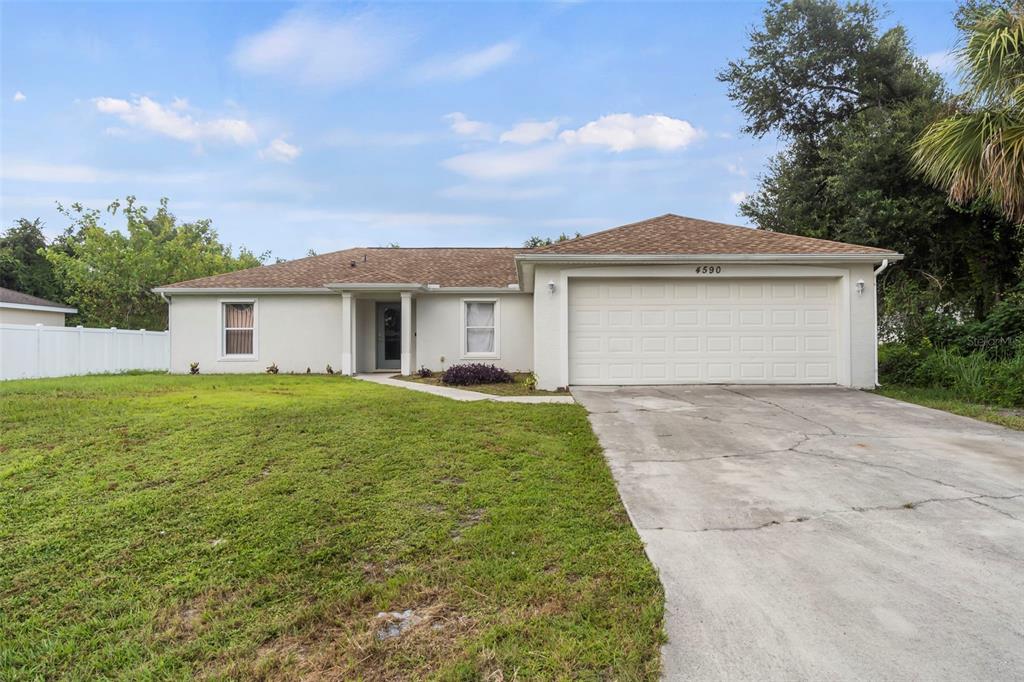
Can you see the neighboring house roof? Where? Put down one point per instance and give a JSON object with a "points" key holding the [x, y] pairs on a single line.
{"points": [[447, 267], [11, 298], [676, 235], [667, 235]]}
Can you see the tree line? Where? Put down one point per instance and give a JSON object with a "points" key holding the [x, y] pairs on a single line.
{"points": [[109, 274], [879, 151]]}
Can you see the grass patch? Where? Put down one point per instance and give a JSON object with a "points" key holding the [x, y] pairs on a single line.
{"points": [[255, 526], [944, 399], [517, 387]]}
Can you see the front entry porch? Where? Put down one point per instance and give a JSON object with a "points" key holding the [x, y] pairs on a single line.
{"points": [[377, 331]]}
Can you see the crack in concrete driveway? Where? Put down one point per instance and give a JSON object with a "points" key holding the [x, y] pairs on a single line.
{"points": [[822, 533]]}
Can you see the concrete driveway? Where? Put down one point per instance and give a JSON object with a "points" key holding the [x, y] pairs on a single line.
{"points": [[822, 533]]}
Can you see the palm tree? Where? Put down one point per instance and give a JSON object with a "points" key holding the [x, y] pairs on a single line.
{"points": [[978, 151]]}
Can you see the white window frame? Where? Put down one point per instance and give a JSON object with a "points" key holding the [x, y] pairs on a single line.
{"points": [[497, 329], [222, 331]]}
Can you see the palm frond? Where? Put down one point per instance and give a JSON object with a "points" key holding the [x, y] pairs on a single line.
{"points": [[992, 57], [978, 155]]}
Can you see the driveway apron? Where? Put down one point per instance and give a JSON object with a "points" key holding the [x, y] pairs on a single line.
{"points": [[822, 533]]}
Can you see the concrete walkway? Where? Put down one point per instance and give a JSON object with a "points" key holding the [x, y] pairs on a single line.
{"points": [[460, 394], [821, 533]]}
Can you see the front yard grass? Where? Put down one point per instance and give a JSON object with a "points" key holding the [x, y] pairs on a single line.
{"points": [[941, 399], [241, 527], [517, 387]]}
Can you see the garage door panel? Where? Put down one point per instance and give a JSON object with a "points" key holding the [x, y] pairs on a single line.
{"points": [[721, 331]]}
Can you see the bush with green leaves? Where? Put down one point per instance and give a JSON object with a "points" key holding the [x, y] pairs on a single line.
{"points": [[975, 377]]}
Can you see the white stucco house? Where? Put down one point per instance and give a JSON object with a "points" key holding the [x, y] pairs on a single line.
{"points": [[670, 300], [19, 308]]}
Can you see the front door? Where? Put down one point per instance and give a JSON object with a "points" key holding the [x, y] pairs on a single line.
{"points": [[389, 335]]}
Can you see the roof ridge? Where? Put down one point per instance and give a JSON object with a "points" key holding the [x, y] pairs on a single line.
{"points": [[428, 248], [695, 223], [583, 237]]}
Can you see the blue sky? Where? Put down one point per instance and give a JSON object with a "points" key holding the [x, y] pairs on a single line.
{"points": [[321, 126]]}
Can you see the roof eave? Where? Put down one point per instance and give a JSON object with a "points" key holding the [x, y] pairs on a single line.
{"points": [[167, 291], [702, 258], [41, 308], [376, 286], [338, 287]]}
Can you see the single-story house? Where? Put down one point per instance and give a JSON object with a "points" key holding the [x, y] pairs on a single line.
{"points": [[670, 300], [19, 308]]}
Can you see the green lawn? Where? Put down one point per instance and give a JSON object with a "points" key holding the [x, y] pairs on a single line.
{"points": [[517, 387], [941, 399], [156, 527]]}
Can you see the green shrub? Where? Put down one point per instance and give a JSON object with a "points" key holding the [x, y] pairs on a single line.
{"points": [[1007, 382], [964, 375], [899, 363], [973, 378]]}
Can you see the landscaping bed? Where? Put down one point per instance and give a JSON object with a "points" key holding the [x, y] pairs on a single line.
{"points": [[518, 386], [308, 526]]}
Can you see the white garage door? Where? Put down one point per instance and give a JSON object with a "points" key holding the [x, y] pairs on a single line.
{"points": [[663, 331]]}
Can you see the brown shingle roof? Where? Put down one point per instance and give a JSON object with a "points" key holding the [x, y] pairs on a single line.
{"points": [[12, 296], [448, 267], [480, 267], [677, 235]]}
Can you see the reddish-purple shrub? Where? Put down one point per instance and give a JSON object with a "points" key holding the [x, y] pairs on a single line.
{"points": [[475, 373]]}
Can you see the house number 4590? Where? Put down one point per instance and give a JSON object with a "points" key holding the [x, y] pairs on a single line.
{"points": [[709, 269]]}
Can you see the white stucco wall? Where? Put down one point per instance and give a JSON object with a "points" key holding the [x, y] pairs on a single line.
{"points": [[299, 331], [295, 331], [856, 311], [25, 316], [439, 331], [863, 342]]}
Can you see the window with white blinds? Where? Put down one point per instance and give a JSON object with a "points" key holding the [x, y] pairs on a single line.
{"points": [[239, 329]]}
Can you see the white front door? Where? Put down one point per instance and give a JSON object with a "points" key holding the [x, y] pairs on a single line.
{"points": [[679, 331]]}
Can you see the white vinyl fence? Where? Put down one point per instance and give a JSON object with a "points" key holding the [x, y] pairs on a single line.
{"points": [[30, 351]]}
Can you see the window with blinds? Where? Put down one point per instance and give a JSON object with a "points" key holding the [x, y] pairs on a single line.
{"points": [[239, 326]]}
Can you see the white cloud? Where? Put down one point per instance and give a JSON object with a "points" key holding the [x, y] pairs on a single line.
{"points": [[462, 125], [49, 172], [736, 169], [501, 165], [318, 51], [529, 132], [738, 197], [352, 138], [19, 96], [384, 219], [179, 104], [31, 171], [943, 61], [467, 65], [499, 192], [623, 132], [279, 150], [576, 224], [147, 114]]}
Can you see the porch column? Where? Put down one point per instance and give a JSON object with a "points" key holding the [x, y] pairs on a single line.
{"points": [[348, 335], [406, 333]]}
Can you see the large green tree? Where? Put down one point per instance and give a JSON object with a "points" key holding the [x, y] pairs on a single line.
{"points": [[109, 274], [849, 101], [23, 267]]}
